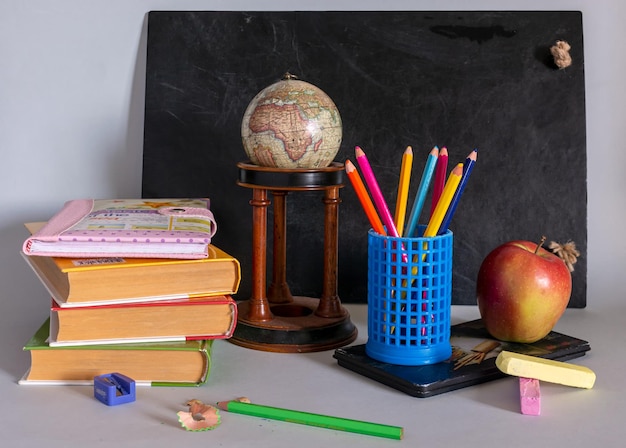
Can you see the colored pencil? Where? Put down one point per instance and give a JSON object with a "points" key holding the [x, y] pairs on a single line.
{"points": [[364, 198], [440, 178], [467, 171], [422, 191], [444, 201], [377, 195], [307, 418], [403, 189]]}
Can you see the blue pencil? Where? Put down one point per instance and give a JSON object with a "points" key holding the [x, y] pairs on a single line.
{"points": [[420, 197], [467, 170]]}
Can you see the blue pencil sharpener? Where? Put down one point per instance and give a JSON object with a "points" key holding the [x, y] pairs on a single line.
{"points": [[114, 388]]}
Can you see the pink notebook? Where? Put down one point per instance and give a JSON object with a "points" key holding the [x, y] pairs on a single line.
{"points": [[146, 228]]}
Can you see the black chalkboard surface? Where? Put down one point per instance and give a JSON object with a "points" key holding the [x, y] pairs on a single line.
{"points": [[462, 80]]}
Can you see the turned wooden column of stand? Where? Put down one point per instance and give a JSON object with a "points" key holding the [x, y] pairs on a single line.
{"points": [[278, 291], [272, 319], [259, 308], [330, 304]]}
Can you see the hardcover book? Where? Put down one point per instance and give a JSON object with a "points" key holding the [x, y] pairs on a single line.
{"points": [[171, 320], [185, 363], [109, 280], [472, 362], [165, 228]]}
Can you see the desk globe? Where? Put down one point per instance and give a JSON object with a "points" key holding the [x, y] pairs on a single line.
{"points": [[291, 131], [291, 124]]}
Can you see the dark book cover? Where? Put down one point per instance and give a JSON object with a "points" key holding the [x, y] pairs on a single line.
{"points": [[472, 362]]}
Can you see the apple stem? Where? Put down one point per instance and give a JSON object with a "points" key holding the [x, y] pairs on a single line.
{"points": [[543, 240]]}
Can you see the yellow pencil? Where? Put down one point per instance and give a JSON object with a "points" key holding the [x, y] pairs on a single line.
{"points": [[439, 212], [403, 189], [444, 201]]}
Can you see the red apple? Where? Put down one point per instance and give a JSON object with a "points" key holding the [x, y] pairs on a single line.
{"points": [[522, 290]]}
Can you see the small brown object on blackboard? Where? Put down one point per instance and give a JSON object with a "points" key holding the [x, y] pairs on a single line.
{"points": [[560, 53]]}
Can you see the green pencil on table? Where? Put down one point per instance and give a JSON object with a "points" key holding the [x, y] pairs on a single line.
{"points": [[310, 419]]}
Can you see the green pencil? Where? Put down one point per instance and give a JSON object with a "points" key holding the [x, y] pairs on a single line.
{"points": [[307, 418]]}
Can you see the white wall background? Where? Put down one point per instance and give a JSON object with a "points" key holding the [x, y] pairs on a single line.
{"points": [[71, 119]]}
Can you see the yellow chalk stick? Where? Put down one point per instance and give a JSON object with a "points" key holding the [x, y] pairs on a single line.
{"points": [[545, 370]]}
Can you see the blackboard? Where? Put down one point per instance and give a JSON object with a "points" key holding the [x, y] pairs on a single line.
{"points": [[462, 80]]}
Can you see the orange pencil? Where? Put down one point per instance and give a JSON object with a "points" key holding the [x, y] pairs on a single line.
{"points": [[364, 197]]}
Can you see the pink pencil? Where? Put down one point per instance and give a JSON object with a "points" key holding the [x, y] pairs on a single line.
{"points": [[440, 178], [377, 195]]}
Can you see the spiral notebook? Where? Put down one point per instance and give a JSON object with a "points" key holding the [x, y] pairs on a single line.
{"points": [[141, 228]]}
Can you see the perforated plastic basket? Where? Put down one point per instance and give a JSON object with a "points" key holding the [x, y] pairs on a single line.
{"points": [[409, 297]]}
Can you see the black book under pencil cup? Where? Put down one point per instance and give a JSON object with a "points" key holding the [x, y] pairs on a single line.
{"points": [[409, 297]]}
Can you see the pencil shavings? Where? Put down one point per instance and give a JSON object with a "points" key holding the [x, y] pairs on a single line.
{"points": [[201, 417]]}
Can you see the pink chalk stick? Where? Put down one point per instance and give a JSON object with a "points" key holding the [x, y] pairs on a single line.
{"points": [[530, 396]]}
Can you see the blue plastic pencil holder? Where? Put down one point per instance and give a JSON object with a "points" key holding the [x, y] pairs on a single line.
{"points": [[409, 291]]}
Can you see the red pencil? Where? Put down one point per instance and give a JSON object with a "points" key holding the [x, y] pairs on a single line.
{"points": [[440, 178]]}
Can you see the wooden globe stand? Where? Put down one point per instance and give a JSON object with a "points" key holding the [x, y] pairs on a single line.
{"points": [[273, 319]]}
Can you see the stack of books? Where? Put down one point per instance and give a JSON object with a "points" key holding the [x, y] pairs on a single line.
{"points": [[149, 312]]}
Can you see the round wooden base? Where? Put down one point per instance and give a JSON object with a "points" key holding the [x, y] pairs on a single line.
{"points": [[293, 328]]}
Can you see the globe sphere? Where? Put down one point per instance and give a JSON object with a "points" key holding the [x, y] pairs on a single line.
{"points": [[291, 124]]}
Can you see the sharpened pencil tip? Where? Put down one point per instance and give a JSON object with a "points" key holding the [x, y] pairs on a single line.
{"points": [[358, 151], [349, 166], [223, 405]]}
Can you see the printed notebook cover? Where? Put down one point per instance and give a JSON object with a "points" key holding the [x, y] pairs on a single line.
{"points": [[472, 362], [179, 228]]}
